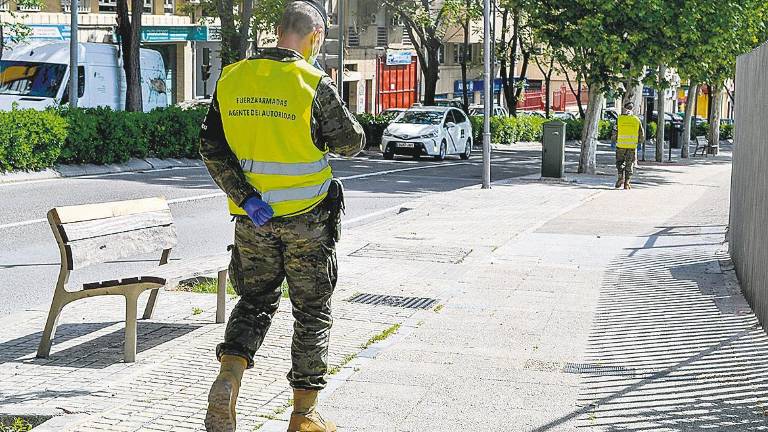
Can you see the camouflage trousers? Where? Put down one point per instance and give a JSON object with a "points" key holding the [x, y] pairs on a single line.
{"points": [[300, 249], [625, 162]]}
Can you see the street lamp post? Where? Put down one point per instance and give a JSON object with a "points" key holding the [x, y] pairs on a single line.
{"points": [[73, 55], [488, 92]]}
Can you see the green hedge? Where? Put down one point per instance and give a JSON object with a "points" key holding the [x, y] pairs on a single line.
{"points": [[374, 126], [30, 140], [508, 130], [33, 140]]}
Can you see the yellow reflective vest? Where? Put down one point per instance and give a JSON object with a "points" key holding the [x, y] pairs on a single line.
{"points": [[628, 133], [266, 111]]}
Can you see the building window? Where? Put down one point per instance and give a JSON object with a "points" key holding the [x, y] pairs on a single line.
{"points": [[459, 55], [441, 55], [107, 6], [4, 6], [382, 36], [83, 6], [28, 7], [169, 7], [353, 37]]}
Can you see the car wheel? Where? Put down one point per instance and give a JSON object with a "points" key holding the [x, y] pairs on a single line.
{"points": [[467, 151], [443, 150]]}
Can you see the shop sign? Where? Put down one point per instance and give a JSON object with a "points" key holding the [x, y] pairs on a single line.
{"points": [[173, 33], [398, 57], [56, 32]]}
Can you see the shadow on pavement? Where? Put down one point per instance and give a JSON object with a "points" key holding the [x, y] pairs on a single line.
{"points": [[674, 345], [96, 353]]}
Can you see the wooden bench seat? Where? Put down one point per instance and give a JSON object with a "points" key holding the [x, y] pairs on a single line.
{"points": [[100, 233], [702, 143]]}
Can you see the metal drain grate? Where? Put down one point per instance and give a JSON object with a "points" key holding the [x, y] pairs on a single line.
{"points": [[394, 301], [593, 369], [436, 254]]}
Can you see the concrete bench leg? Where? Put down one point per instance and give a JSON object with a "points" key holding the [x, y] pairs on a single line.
{"points": [[149, 310], [44, 349], [221, 297], [131, 301]]}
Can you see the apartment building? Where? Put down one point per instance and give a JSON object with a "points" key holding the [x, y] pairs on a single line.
{"points": [[166, 27]]}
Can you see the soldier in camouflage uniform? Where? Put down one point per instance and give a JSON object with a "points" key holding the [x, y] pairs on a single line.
{"points": [[299, 246]]}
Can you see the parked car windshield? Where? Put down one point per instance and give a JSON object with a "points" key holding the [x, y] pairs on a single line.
{"points": [[30, 78], [421, 117]]}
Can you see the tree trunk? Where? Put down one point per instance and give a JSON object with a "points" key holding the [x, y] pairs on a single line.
{"points": [[465, 96], [547, 101], [2, 44], [230, 37], [634, 94], [245, 28], [588, 157], [714, 124], [431, 75], [661, 117], [130, 37], [523, 74], [693, 92], [510, 80]]}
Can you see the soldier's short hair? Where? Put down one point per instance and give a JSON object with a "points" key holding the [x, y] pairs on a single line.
{"points": [[629, 106], [300, 18]]}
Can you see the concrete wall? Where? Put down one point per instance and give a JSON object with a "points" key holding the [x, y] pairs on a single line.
{"points": [[749, 189]]}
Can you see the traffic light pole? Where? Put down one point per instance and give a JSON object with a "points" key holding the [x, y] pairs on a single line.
{"points": [[488, 92]]}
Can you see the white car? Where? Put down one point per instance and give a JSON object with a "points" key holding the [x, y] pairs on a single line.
{"points": [[428, 131]]}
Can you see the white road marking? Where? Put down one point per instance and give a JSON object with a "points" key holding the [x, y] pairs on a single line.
{"points": [[376, 213], [221, 194]]}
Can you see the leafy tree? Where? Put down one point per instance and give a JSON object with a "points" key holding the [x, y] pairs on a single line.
{"points": [[463, 13], [599, 39], [517, 41], [425, 21], [15, 31]]}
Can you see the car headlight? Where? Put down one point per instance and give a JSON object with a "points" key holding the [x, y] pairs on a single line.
{"points": [[387, 132], [432, 134]]}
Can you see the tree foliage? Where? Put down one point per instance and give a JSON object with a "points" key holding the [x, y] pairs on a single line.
{"points": [[426, 22]]}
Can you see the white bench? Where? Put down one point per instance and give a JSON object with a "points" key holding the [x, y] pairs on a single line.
{"points": [[99, 233]]}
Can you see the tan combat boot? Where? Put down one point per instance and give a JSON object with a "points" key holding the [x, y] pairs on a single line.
{"points": [[627, 185], [305, 417], [619, 181], [223, 395]]}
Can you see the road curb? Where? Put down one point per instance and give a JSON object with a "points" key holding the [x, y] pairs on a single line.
{"points": [[80, 170]]}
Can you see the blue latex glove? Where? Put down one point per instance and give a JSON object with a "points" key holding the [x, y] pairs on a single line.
{"points": [[259, 211]]}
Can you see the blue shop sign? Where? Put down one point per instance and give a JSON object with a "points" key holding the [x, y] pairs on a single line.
{"points": [[458, 86], [173, 33], [479, 85], [53, 32]]}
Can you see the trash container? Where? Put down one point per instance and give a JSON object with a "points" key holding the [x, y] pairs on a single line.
{"points": [[553, 149], [677, 136]]}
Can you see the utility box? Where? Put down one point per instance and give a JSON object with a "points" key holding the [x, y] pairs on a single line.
{"points": [[553, 150]]}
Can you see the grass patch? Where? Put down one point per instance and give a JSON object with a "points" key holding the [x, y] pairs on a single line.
{"points": [[18, 424], [196, 311], [284, 290], [381, 336], [206, 286]]}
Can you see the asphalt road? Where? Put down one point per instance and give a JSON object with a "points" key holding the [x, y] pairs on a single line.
{"points": [[29, 258]]}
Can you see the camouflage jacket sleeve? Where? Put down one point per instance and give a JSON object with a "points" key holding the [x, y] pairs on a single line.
{"points": [[337, 128], [219, 158]]}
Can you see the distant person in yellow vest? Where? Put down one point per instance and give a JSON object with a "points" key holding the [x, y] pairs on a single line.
{"points": [[265, 140], [627, 135]]}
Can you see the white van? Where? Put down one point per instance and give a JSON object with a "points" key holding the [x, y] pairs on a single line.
{"points": [[36, 76]]}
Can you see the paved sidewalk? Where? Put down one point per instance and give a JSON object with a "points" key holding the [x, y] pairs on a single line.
{"points": [[579, 308], [556, 310]]}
